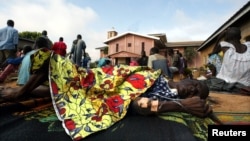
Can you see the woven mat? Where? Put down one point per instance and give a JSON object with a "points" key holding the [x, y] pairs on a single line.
{"points": [[231, 108]]}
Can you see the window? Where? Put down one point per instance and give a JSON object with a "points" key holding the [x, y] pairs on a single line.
{"points": [[142, 46], [117, 47], [129, 44]]}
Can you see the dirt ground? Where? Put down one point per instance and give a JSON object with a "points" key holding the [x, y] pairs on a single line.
{"points": [[223, 102]]}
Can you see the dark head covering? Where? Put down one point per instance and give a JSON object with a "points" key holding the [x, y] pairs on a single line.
{"points": [[10, 23], [26, 49], [41, 42], [44, 32]]}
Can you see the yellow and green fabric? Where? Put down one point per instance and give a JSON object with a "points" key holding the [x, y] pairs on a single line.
{"points": [[90, 100]]}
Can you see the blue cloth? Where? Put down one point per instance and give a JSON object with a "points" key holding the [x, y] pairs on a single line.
{"points": [[101, 62], [85, 62], [15, 61], [216, 60], [161, 91], [8, 38], [24, 71]]}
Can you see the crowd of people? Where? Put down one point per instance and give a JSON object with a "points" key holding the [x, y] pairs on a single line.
{"points": [[14, 58], [151, 91]]}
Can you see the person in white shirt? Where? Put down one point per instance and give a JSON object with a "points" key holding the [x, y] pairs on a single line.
{"points": [[236, 59]]}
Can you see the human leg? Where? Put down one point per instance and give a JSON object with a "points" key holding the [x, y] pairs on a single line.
{"points": [[7, 70], [2, 57]]}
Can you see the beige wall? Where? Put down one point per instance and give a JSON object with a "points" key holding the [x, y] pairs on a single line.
{"points": [[136, 44], [245, 29]]}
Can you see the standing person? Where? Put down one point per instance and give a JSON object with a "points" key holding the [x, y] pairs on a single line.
{"points": [[8, 41], [143, 61], [182, 65], [176, 59], [60, 47], [78, 49], [45, 35], [173, 61]]}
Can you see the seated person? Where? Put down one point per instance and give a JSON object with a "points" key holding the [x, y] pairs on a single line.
{"points": [[234, 73], [91, 99], [24, 70], [158, 61], [13, 64]]}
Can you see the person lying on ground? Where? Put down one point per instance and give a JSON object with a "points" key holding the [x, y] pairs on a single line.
{"points": [[90, 99]]}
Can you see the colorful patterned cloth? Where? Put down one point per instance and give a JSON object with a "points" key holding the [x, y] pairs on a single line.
{"points": [[89, 101]]}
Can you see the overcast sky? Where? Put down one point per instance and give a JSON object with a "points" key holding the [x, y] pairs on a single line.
{"points": [[180, 20]]}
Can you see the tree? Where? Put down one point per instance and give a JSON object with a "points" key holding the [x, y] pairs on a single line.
{"points": [[190, 53], [30, 35]]}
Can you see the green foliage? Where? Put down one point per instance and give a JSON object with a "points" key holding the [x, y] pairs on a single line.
{"points": [[190, 53], [106, 50], [29, 35]]}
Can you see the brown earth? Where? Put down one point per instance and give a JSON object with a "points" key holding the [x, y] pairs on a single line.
{"points": [[224, 102]]}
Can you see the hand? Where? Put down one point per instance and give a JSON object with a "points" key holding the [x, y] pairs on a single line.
{"points": [[196, 106]]}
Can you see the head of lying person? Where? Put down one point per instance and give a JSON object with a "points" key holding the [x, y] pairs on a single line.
{"points": [[189, 88], [186, 88]]}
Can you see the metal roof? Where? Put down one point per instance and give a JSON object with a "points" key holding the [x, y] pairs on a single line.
{"points": [[240, 13]]}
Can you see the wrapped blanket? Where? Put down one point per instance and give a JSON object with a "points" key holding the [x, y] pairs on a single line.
{"points": [[88, 101], [91, 100]]}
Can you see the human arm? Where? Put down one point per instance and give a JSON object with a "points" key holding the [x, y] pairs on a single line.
{"points": [[72, 50], [15, 61], [37, 78], [193, 105], [31, 86]]}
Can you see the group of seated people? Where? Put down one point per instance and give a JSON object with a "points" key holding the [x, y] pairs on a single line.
{"points": [[144, 90]]}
